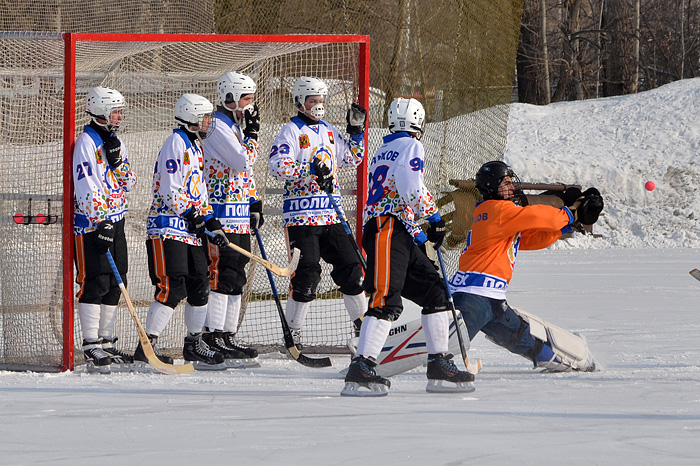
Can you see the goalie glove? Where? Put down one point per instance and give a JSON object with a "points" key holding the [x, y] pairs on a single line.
{"points": [[356, 118], [112, 150], [105, 236], [214, 226], [588, 207]]}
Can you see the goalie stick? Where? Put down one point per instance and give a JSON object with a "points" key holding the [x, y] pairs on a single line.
{"points": [[460, 337], [695, 273], [277, 270], [286, 332], [143, 337]]}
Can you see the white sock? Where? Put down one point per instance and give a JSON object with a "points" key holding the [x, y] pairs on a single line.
{"points": [[296, 313], [233, 312], [108, 315], [194, 318], [356, 305], [89, 315], [158, 317], [372, 336], [216, 311], [436, 327]]}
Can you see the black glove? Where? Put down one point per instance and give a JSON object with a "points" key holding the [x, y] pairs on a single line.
{"points": [[570, 195], [356, 117], [196, 222], [590, 206], [256, 215], [252, 123], [324, 179], [112, 150], [105, 236], [214, 226], [436, 233]]}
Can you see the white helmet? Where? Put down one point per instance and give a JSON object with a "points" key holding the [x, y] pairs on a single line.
{"points": [[101, 102], [306, 86], [232, 86], [191, 109], [406, 115]]}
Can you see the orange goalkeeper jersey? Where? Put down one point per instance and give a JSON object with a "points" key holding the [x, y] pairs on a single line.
{"points": [[499, 230]]}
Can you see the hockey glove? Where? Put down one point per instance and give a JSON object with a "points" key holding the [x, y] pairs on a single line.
{"points": [[436, 233], [324, 179], [214, 226], [196, 222], [252, 123], [256, 215], [112, 150], [105, 236], [356, 117], [590, 208]]}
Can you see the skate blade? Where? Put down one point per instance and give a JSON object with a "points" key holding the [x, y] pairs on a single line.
{"points": [[142, 367], [122, 367], [245, 363], [445, 386], [91, 368], [370, 389], [203, 366]]}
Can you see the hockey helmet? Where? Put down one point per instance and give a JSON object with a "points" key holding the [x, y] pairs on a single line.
{"points": [[232, 86], [490, 176], [406, 115], [193, 109], [305, 87], [101, 102]]}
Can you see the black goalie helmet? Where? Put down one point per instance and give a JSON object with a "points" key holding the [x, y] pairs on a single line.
{"points": [[489, 178]]}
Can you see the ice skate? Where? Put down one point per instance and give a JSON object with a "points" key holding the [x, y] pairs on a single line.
{"points": [[121, 361], [201, 355], [97, 360], [235, 357], [362, 380], [141, 363], [444, 377]]}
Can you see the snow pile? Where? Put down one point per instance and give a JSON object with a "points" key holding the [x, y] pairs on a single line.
{"points": [[617, 144]]}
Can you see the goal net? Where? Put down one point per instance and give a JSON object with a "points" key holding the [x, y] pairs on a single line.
{"points": [[44, 79]]}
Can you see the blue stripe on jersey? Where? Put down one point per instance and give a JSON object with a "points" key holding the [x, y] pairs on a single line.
{"points": [[464, 279], [239, 210], [90, 131]]}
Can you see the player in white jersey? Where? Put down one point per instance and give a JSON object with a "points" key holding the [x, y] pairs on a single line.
{"points": [[101, 177], [396, 265], [306, 156], [178, 218], [229, 154]]}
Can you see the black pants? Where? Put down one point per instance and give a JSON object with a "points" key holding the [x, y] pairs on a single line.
{"points": [[332, 244], [227, 266], [95, 277], [178, 270], [396, 267]]}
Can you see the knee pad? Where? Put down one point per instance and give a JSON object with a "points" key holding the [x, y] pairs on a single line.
{"points": [[384, 314], [304, 295]]}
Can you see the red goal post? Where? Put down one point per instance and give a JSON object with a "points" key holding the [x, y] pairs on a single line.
{"points": [[152, 71]]}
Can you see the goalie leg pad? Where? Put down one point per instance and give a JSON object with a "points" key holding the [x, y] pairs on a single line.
{"points": [[570, 350]]}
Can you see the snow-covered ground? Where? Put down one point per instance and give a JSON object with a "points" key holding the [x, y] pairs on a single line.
{"points": [[628, 292]]}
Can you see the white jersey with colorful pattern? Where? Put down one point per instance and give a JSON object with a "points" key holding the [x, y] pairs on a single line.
{"points": [[291, 161], [178, 185], [99, 189], [396, 185], [228, 160]]}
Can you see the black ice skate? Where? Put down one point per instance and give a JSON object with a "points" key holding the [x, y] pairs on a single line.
{"points": [[141, 361], [201, 355], [121, 361], [235, 356], [442, 369], [362, 379], [96, 359]]}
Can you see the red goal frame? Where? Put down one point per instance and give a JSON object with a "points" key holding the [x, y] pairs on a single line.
{"points": [[71, 40]]}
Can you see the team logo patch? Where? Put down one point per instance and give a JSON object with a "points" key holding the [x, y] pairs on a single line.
{"points": [[186, 161], [304, 141], [330, 137]]}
